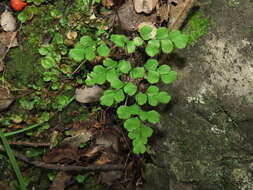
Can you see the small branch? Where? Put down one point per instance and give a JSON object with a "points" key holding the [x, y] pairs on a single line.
{"points": [[30, 144], [79, 66], [61, 167]]}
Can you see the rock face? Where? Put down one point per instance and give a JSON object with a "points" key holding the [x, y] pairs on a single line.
{"points": [[205, 138]]}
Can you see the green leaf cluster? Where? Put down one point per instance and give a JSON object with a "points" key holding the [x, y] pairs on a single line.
{"points": [[134, 118], [110, 71], [153, 96], [120, 40], [52, 56], [122, 76], [152, 72], [86, 49], [155, 73], [164, 40]]}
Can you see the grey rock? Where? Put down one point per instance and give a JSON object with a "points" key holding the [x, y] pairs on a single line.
{"points": [[206, 132]]}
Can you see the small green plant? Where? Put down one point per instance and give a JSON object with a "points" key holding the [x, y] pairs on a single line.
{"points": [[31, 10], [124, 78]]}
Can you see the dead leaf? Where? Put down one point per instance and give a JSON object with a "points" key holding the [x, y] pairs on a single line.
{"points": [[105, 158], [89, 94], [75, 141], [61, 154], [9, 39], [108, 3], [8, 21], [163, 12], [4, 185], [109, 177], [1, 65], [92, 151], [71, 35], [146, 6], [179, 10], [109, 139], [60, 181], [6, 98], [53, 138]]}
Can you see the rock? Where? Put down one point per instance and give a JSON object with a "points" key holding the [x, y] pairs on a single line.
{"points": [[89, 94], [8, 22], [204, 140], [5, 98], [128, 19], [146, 6]]}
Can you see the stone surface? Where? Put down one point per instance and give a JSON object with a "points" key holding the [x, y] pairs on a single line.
{"points": [[8, 21], [205, 138]]}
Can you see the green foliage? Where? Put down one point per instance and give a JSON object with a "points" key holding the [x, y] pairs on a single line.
{"points": [[30, 11], [164, 40], [122, 76], [81, 178]]}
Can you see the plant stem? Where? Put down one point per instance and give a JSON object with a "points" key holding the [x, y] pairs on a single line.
{"points": [[35, 125], [13, 161]]}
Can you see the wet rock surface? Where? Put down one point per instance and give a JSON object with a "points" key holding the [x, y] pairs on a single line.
{"points": [[205, 138]]}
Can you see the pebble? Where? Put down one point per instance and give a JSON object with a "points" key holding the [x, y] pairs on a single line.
{"points": [[8, 22]]}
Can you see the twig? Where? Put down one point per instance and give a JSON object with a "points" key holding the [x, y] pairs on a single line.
{"points": [[35, 125], [31, 144], [9, 46], [61, 167], [79, 66]]}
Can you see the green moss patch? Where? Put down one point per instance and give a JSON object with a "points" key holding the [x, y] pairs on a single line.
{"points": [[196, 26]]}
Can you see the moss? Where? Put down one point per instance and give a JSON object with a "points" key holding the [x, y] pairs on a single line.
{"points": [[22, 66], [196, 26], [243, 178], [233, 3]]}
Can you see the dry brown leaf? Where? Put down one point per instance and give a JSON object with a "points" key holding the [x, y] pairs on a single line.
{"points": [[4, 185], [105, 158], [146, 6], [6, 98], [9, 39], [92, 151], [75, 141], [179, 10], [61, 154], [71, 35], [109, 139], [60, 181], [109, 177], [163, 12], [108, 3], [53, 138], [1, 65], [89, 94]]}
